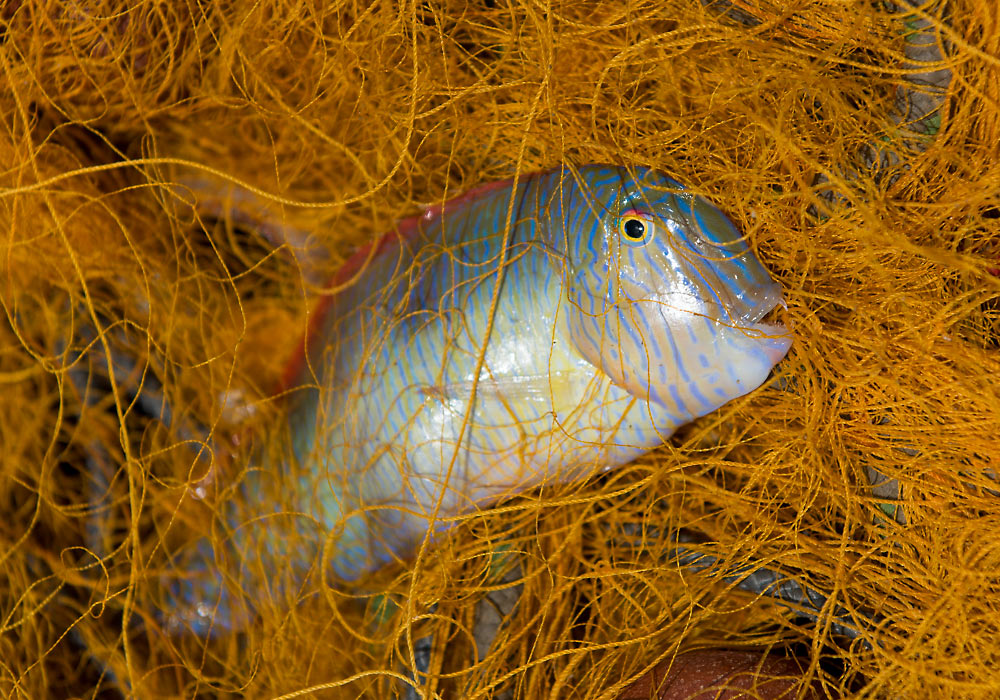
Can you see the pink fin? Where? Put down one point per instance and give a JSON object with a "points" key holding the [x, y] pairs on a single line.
{"points": [[405, 229]]}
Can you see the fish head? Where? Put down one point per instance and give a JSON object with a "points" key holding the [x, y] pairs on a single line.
{"points": [[664, 295]]}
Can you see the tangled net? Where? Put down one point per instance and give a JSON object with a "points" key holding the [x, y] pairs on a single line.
{"points": [[142, 339]]}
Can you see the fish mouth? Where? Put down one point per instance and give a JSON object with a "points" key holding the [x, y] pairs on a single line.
{"points": [[765, 300], [762, 319]]}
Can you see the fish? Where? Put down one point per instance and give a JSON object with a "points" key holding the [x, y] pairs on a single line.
{"points": [[530, 332]]}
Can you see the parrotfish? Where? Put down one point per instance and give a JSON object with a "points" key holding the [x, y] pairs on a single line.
{"points": [[532, 331]]}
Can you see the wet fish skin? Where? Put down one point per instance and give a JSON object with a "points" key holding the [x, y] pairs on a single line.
{"points": [[625, 306]]}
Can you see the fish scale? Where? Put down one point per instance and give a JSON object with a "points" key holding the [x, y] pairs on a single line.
{"points": [[394, 358], [598, 347], [417, 407]]}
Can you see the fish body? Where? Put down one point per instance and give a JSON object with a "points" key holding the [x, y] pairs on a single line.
{"points": [[471, 360]]}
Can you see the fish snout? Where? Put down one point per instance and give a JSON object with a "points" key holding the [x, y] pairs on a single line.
{"points": [[776, 341]]}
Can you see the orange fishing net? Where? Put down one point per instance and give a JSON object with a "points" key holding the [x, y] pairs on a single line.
{"points": [[855, 143]]}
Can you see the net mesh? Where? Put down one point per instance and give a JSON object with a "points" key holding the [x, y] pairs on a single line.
{"points": [[855, 144]]}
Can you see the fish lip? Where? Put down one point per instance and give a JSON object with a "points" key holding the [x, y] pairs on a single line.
{"points": [[775, 338], [770, 329], [775, 341], [766, 302]]}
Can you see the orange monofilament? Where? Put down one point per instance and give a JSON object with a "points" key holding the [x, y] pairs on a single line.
{"points": [[142, 337]]}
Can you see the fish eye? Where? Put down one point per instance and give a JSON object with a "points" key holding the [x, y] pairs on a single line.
{"points": [[635, 229]]}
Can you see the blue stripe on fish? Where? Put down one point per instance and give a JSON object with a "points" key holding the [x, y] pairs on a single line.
{"points": [[568, 385]]}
